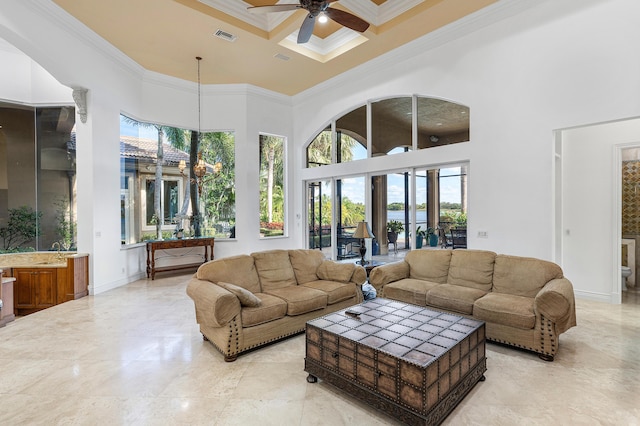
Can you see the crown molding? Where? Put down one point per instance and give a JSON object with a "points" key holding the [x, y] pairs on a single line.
{"points": [[80, 32], [5, 46], [469, 24], [327, 45], [285, 100], [378, 15], [367, 10], [389, 9], [212, 90], [238, 9]]}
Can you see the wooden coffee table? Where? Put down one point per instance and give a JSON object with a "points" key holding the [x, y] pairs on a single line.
{"points": [[413, 363]]}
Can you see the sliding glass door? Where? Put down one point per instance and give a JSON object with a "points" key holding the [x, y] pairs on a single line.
{"points": [[402, 207]]}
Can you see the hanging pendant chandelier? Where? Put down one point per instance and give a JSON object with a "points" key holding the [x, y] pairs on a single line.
{"points": [[200, 167]]}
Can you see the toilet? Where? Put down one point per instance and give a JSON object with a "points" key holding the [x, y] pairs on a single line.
{"points": [[626, 272]]}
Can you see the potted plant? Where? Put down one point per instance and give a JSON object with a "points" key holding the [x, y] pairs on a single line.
{"points": [[393, 228], [432, 237], [420, 234]]}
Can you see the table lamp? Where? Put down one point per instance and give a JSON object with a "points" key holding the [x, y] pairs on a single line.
{"points": [[363, 231]]}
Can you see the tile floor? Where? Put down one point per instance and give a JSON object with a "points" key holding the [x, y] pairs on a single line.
{"points": [[134, 356]]}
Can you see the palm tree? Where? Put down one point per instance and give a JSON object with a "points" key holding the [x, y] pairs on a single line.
{"points": [[319, 151], [219, 189], [271, 150], [176, 138], [193, 190]]}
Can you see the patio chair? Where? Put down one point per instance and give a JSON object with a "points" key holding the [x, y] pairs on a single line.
{"points": [[392, 238], [458, 238]]}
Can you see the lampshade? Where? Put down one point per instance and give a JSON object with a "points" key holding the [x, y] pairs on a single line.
{"points": [[363, 231]]}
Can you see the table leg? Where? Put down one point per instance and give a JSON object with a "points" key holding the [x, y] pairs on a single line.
{"points": [[153, 263], [148, 262]]}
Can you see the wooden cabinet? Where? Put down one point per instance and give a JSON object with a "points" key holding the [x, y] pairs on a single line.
{"points": [[35, 289], [38, 288]]}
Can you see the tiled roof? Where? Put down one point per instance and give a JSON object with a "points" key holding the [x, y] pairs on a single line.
{"points": [[145, 150]]}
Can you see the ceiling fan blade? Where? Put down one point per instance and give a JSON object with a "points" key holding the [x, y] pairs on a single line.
{"points": [[306, 29], [274, 8], [347, 19]]}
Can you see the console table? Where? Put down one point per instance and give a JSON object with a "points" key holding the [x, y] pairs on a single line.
{"points": [[153, 245]]}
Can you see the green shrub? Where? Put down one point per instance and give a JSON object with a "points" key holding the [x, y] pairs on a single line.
{"points": [[22, 227]]}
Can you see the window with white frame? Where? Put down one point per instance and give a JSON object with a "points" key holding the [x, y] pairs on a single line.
{"points": [[272, 186], [213, 193], [171, 199]]}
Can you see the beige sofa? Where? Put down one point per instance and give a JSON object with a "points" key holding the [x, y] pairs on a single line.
{"points": [[243, 302], [525, 302]]}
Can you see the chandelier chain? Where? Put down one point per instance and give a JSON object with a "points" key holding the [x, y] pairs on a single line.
{"points": [[199, 99]]}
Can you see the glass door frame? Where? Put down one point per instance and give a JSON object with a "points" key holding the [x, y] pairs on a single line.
{"points": [[411, 171]]}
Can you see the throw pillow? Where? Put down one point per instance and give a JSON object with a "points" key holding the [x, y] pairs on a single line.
{"points": [[245, 296]]}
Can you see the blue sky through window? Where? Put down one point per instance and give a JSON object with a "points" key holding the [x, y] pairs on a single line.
{"points": [[143, 132]]}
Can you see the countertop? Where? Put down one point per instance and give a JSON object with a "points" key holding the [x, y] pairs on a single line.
{"points": [[37, 259]]}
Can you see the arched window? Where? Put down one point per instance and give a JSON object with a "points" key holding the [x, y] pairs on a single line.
{"points": [[397, 125], [425, 197]]}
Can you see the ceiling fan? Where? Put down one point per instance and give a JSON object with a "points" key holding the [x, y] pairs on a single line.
{"points": [[315, 8]]}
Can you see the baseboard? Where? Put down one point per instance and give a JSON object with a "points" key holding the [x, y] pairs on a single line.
{"points": [[7, 319], [93, 289], [589, 295]]}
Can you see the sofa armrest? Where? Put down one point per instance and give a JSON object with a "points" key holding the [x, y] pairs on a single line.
{"points": [[359, 275], [385, 274], [556, 302], [215, 306]]}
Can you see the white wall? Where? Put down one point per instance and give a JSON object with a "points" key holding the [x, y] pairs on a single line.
{"points": [[24, 81], [538, 67]]}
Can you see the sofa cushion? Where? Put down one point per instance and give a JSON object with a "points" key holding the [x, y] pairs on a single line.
{"points": [[271, 308], [408, 290], [336, 292], [505, 309], [430, 265], [305, 264], [239, 270], [274, 269], [300, 299], [334, 271], [523, 276], [472, 268], [454, 298], [245, 296]]}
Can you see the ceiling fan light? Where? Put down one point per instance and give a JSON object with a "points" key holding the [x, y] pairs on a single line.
{"points": [[322, 18]]}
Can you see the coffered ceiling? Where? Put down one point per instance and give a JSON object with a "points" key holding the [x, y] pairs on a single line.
{"points": [[165, 36]]}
